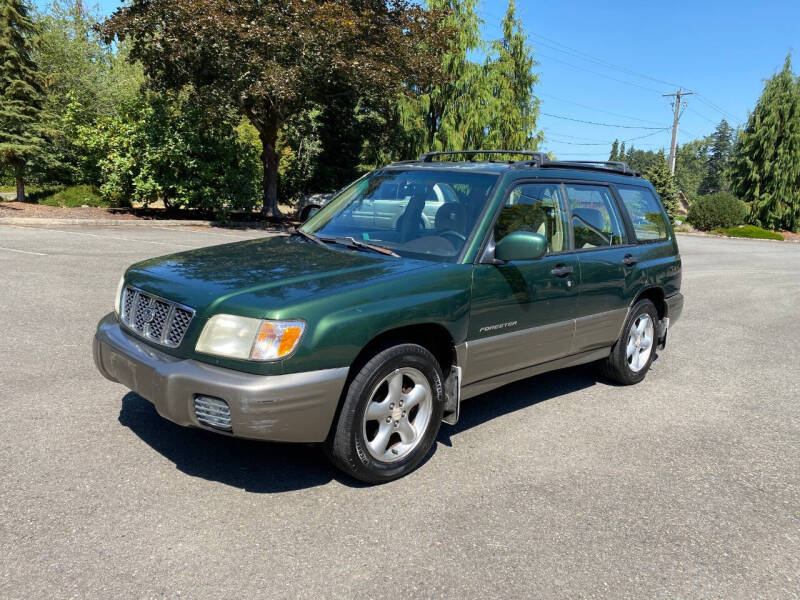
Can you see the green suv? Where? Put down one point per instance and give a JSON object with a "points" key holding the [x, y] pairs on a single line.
{"points": [[363, 332]]}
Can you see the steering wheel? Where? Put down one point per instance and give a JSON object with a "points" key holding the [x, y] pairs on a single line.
{"points": [[454, 233]]}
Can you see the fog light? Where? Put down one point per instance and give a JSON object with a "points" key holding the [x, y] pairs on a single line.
{"points": [[213, 412]]}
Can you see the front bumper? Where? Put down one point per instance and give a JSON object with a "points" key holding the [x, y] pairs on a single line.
{"points": [[297, 407]]}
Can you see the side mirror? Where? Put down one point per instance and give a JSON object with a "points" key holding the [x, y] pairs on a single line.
{"points": [[521, 245]]}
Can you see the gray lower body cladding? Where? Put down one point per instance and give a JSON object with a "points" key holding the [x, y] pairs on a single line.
{"points": [[297, 407]]}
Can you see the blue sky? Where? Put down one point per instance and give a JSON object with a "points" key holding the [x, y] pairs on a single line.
{"points": [[610, 62]]}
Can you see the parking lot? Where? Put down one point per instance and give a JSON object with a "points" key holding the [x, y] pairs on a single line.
{"points": [[563, 485]]}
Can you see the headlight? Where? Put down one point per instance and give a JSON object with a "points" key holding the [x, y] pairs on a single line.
{"points": [[249, 339], [117, 298]]}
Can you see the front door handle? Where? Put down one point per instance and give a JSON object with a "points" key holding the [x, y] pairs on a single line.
{"points": [[629, 260], [562, 271]]}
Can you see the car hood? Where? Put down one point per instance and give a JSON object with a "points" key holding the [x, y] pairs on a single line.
{"points": [[262, 277]]}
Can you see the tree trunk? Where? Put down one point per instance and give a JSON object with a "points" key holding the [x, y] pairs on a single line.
{"points": [[20, 185], [269, 158]]}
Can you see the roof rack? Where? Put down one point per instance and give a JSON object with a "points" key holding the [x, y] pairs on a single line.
{"points": [[539, 159], [537, 156], [592, 165]]}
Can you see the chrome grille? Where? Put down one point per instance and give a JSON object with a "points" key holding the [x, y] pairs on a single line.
{"points": [[213, 412], [154, 318]]}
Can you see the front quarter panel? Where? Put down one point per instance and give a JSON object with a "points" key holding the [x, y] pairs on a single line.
{"points": [[339, 327]]}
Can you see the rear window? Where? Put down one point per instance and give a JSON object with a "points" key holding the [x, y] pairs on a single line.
{"points": [[645, 211]]}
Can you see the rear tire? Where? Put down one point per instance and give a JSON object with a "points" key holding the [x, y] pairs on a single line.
{"points": [[634, 351], [390, 417]]}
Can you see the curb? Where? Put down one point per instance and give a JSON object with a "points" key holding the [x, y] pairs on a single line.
{"points": [[134, 223]]}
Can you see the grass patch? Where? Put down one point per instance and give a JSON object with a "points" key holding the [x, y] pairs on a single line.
{"points": [[750, 231], [69, 197]]}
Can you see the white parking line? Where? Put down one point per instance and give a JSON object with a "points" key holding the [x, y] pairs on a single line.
{"points": [[23, 251], [108, 237], [193, 230]]}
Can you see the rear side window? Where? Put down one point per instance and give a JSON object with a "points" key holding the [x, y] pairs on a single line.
{"points": [[595, 220], [645, 211], [535, 207]]}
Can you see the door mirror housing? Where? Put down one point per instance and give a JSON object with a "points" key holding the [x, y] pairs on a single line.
{"points": [[521, 245]]}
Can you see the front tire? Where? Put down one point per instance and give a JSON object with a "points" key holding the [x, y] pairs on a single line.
{"points": [[390, 416], [632, 355]]}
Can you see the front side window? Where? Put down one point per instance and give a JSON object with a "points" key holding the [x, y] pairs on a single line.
{"points": [[426, 214], [595, 220], [536, 207], [645, 212]]}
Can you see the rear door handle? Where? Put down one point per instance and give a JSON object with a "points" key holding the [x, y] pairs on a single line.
{"points": [[629, 260], [561, 271]]}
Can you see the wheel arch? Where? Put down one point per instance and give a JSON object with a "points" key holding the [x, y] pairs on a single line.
{"points": [[434, 337], [656, 295]]}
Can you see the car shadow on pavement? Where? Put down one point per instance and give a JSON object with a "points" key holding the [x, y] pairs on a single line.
{"points": [[521, 394], [270, 467], [259, 467]]}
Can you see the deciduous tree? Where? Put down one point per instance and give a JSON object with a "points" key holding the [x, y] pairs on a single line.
{"points": [[271, 58]]}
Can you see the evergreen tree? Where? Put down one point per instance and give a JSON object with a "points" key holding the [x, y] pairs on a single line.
{"points": [[622, 155], [715, 179], [513, 108], [690, 167], [451, 114], [20, 91], [658, 174], [614, 155], [765, 169]]}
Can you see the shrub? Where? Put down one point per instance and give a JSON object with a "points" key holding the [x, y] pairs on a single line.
{"points": [[721, 209], [750, 231], [71, 197]]}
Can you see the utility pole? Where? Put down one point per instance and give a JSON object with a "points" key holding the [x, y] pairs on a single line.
{"points": [[673, 146]]}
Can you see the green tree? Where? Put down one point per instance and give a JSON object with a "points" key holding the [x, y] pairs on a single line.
{"points": [[85, 79], [269, 60], [690, 167], [719, 157], [449, 114], [642, 160], [623, 156], [20, 91], [513, 108], [614, 154], [765, 168], [170, 147], [659, 175]]}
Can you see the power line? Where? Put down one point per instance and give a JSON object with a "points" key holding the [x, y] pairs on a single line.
{"points": [[574, 52], [701, 115], [601, 124], [588, 57], [640, 137], [598, 74], [596, 109], [722, 111]]}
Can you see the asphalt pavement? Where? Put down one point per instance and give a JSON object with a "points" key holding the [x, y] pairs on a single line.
{"points": [[560, 486]]}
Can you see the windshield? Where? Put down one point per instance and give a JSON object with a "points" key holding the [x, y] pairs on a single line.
{"points": [[422, 214]]}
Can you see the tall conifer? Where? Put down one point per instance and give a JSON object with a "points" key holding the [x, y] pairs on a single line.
{"points": [[20, 91], [765, 170], [513, 107]]}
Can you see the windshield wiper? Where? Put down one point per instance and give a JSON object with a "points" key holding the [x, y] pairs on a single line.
{"points": [[353, 243], [309, 236]]}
